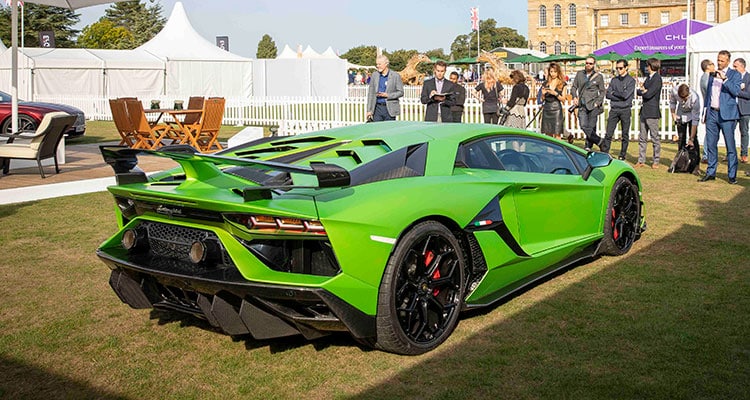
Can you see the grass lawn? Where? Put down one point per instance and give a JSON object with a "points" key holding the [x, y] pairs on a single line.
{"points": [[669, 320]]}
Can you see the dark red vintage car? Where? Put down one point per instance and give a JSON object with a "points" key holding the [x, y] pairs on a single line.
{"points": [[30, 115]]}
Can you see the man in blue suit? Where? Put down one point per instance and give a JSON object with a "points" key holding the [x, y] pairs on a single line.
{"points": [[722, 114], [743, 101]]}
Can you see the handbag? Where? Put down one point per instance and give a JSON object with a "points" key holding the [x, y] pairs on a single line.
{"points": [[502, 113], [681, 162]]}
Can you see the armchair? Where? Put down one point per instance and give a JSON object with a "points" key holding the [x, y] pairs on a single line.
{"points": [[43, 143]]}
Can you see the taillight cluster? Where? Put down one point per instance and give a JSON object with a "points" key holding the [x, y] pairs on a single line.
{"points": [[267, 223]]}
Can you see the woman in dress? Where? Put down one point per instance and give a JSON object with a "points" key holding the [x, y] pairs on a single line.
{"points": [[519, 96], [553, 93], [490, 90]]}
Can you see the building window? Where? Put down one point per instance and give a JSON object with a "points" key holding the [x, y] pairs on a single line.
{"points": [[664, 17], [543, 47], [684, 15], [711, 10], [558, 48], [558, 15], [604, 20], [572, 47], [604, 44], [734, 9], [572, 15], [644, 18], [624, 19], [543, 16]]}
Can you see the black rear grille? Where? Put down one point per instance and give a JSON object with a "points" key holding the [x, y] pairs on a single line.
{"points": [[173, 241]]}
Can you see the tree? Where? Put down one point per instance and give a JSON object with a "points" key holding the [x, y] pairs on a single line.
{"points": [[266, 48], [361, 55], [104, 34], [141, 23], [490, 37], [39, 18]]}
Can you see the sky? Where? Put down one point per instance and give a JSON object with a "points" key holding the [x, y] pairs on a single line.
{"points": [[391, 24]]}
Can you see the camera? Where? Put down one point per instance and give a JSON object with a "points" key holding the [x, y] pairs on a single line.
{"points": [[572, 108]]}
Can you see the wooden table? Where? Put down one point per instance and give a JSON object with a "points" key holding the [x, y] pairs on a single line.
{"points": [[179, 132]]}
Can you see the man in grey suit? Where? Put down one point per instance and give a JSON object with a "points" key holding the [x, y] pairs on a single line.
{"points": [[384, 92], [743, 102], [588, 94]]}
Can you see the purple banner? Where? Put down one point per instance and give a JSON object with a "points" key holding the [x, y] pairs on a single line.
{"points": [[669, 39]]}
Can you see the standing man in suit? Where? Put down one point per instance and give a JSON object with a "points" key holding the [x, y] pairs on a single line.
{"points": [[650, 92], [743, 102], [459, 92], [383, 92], [437, 94], [620, 93], [588, 94], [708, 67], [722, 114]]}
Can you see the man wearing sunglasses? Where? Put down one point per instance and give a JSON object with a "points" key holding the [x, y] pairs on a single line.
{"points": [[588, 95], [620, 93]]}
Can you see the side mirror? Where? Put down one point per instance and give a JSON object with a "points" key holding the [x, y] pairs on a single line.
{"points": [[595, 159]]}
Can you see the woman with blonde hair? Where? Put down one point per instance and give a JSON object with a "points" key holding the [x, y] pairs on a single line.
{"points": [[519, 95], [490, 90], [553, 93]]}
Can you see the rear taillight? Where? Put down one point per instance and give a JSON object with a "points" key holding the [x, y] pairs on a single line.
{"points": [[267, 223]]}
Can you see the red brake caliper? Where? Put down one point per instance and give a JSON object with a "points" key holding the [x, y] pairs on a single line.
{"points": [[427, 260], [615, 232]]}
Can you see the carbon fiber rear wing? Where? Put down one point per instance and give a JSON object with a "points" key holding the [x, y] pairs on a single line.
{"points": [[124, 162]]}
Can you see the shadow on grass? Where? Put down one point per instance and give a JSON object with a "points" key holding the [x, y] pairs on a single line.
{"points": [[669, 320], [23, 381]]}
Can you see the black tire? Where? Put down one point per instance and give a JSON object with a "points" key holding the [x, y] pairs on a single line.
{"points": [[622, 222], [421, 294], [25, 123]]}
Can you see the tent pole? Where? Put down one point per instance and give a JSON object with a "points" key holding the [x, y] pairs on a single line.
{"points": [[14, 65], [687, 50]]}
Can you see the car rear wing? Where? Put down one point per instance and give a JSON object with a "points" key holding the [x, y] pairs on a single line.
{"points": [[124, 162]]}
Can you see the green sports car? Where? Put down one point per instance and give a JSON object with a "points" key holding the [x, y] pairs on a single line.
{"points": [[385, 230]]}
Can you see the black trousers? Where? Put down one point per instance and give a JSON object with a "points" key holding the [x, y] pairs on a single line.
{"points": [[622, 116]]}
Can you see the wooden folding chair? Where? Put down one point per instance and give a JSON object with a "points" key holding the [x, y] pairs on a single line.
{"points": [[206, 132], [148, 136], [122, 122], [194, 103]]}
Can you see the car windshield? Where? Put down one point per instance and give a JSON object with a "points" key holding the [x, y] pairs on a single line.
{"points": [[4, 97]]}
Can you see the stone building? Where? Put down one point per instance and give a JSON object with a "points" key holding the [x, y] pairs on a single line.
{"points": [[582, 26]]}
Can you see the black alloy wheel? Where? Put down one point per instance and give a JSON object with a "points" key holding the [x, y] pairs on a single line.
{"points": [[422, 290], [622, 223]]}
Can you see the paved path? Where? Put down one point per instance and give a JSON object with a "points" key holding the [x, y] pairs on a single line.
{"points": [[84, 172]]}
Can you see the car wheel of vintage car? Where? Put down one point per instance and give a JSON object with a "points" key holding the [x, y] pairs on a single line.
{"points": [[621, 225], [25, 124], [422, 291]]}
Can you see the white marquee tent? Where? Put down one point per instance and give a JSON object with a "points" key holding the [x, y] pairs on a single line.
{"points": [[176, 62], [301, 73], [94, 72], [706, 44], [195, 66]]}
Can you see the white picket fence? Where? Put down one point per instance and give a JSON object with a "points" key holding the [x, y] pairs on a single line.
{"points": [[294, 115]]}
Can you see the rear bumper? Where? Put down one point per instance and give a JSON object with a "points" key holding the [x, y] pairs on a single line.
{"points": [[229, 302]]}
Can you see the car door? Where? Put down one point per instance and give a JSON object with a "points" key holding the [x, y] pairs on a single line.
{"points": [[555, 207]]}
